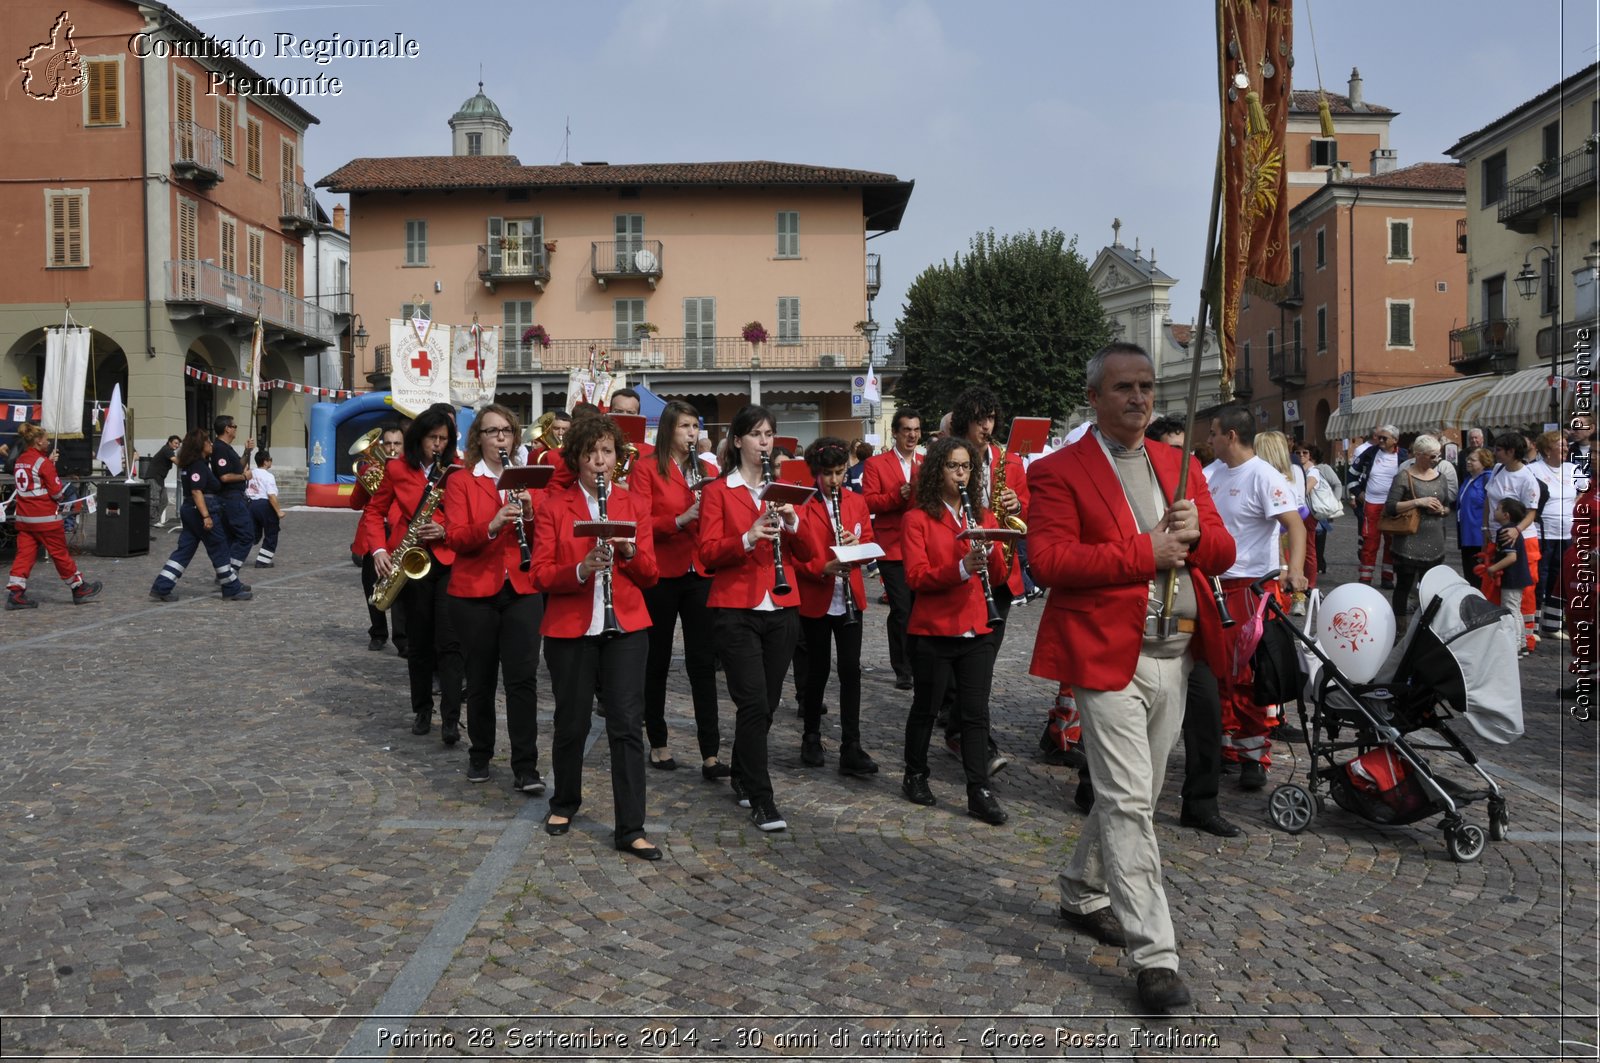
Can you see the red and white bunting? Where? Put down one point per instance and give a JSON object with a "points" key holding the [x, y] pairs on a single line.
{"points": [[266, 385], [18, 412]]}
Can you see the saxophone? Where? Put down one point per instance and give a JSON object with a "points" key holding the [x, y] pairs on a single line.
{"points": [[996, 488], [411, 559]]}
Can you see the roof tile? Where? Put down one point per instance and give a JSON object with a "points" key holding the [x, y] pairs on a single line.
{"points": [[421, 172]]}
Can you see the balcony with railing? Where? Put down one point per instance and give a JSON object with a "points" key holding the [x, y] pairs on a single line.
{"points": [[1484, 345], [196, 154], [200, 291], [1561, 184], [676, 354], [1293, 296], [1242, 388], [1286, 366], [617, 260], [297, 209], [501, 261], [874, 275]]}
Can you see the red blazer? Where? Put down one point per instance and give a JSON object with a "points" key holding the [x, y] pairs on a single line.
{"points": [[482, 564], [880, 485], [358, 502], [741, 579], [1084, 546], [665, 497], [945, 603], [816, 524], [398, 499], [556, 553]]}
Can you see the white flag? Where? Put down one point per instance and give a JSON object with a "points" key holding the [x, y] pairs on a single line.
{"points": [[870, 393], [110, 452], [66, 371]]}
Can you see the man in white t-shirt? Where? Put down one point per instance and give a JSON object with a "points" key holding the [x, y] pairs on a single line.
{"points": [[261, 496], [1257, 505]]}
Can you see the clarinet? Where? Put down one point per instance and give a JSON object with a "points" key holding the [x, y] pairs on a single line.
{"points": [[995, 619], [609, 628], [522, 533], [780, 582], [852, 615], [1222, 602]]}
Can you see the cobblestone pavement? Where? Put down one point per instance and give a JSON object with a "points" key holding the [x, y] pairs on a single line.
{"points": [[222, 840]]}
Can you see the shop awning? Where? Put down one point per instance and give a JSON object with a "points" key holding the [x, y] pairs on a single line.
{"points": [[1420, 408], [1515, 400]]}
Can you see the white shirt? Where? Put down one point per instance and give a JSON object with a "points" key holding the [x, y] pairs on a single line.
{"points": [[597, 606], [1521, 485], [265, 485], [1562, 481], [736, 479], [1384, 468], [1249, 499]]}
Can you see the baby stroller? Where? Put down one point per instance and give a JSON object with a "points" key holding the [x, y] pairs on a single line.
{"points": [[1369, 742]]}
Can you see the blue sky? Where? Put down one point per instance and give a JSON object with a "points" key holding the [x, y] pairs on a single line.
{"points": [[1012, 114]]}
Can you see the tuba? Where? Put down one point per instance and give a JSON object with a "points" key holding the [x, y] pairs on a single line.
{"points": [[370, 478], [538, 433], [411, 559]]}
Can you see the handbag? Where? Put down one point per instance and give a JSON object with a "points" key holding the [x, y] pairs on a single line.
{"points": [[1325, 505], [1405, 523]]}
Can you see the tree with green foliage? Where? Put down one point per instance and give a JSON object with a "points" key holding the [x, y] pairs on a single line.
{"points": [[1015, 313]]}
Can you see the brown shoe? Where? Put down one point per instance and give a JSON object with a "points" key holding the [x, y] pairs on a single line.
{"points": [[1101, 924], [1161, 990]]}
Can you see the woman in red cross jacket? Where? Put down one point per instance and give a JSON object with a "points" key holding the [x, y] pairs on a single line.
{"points": [[40, 529]]}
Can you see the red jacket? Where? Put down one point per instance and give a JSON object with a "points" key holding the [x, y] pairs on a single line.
{"points": [[358, 502], [557, 552], [482, 564], [39, 489], [1084, 546], [398, 499], [881, 481], [741, 578], [945, 603], [816, 524], [665, 497]]}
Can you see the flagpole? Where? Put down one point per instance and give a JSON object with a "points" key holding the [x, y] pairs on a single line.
{"points": [[256, 344]]}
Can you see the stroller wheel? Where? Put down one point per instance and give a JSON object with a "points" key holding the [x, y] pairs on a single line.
{"points": [[1291, 808], [1465, 842], [1499, 820]]}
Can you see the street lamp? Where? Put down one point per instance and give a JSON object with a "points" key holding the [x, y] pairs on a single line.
{"points": [[358, 337], [1527, 282]]}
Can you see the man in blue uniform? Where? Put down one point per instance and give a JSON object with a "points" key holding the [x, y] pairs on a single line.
{"points": [[233, 475]]}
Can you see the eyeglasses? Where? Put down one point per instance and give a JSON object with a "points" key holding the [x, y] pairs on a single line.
{"points": [[497, 430], [958, 466]]}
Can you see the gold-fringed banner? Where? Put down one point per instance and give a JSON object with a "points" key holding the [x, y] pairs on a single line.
{"points": [[1256, 53]]}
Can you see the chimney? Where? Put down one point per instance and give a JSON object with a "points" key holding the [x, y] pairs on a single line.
{"points": [[1384, 160], [1355, 90], [338, 216]]}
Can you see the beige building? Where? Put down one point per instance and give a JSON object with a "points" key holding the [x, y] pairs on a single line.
{"points": [[654, 269]]}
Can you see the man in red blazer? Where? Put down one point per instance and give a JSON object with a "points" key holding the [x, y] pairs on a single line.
{"points": [[888, 483], [1102, 534]]}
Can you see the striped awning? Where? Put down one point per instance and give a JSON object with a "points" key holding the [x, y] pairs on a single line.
{"points": [[1516, 400], [1420, 408]]}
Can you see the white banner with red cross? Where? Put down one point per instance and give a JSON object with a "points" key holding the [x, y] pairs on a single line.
{"points": [[474, 364], [419, 364]]}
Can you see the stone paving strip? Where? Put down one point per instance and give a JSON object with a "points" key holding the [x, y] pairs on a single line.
{"points": [[223, 842]]}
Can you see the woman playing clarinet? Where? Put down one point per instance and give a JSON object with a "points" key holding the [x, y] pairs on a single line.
{"points": [[497, 610], [596, 629], [668, 482], [744, 543], [955, 581]]}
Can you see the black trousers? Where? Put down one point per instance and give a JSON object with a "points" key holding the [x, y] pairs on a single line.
{"points": [[822, 634], [1471, 557], [1407, 574], [939, 664], [1002, 604], [669, 600], [900, 599], [756, 648], [1202, 742], [435, 643], [618, 665], [500, 633]]}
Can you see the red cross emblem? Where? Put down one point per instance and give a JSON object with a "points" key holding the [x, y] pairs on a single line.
{"points": [[422, 363]]}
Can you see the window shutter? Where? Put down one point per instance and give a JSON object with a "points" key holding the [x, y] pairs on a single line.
{"points": [[230, 244], [226, 118], [105, 93], [252, 151], [496, 235]]}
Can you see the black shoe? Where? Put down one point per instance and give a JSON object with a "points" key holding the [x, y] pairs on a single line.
{"points": [[1083, 797], [738, 791], [1101, 924], [853, 760], [155, 596], [642, 852], [556, 830], [766, 817], [19, 600], [811, 751], [450, 732], [478, 773], [376, 644], [1211, 823], [1252, 776], [1288, 732], [903, 682], [400, 650], [1160, 989], [915, 787], [1387, 585], [264, 564], [715, 772], [665, 764], [997, 760], [982, 805], [85, 590], [1229, 767], [423, 723], [530, 783], [238, 596]]}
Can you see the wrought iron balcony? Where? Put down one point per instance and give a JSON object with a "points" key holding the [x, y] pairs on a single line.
{"points": [[1293, 296], [672, 354], [1484, 345], [874, 280], [611, 260], [298, 206], [1286, 366], [196, 154], [200, 291], [501, 261], [1565, 184], [1242, 388]]}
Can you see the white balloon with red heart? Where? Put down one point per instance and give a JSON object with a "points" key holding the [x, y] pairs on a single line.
{"points": [[1355, 628]]}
